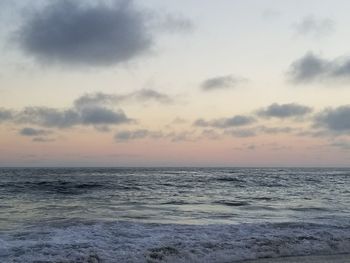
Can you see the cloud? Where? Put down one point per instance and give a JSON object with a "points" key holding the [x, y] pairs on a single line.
{"points": [[174, 23], [90, 109], [92, 33], [284, 110], [342, 144], [312, 68], [43, 139], [138, 134], [238, 120], [241, 133], [56, 118], [313, 133], [276, 130], [33, 132], [149, 94], [70, 32], [210, 134], [257, 130], [5, 115], [124, 136], [102, 116], [334, 119], [48, 117], [131, 135], [89, 100], [315, 27], [183, 136], [221, 82], [143, 95]]}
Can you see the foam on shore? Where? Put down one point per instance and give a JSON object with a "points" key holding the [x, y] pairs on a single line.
{"points": [[305, 259], [140, 242]]}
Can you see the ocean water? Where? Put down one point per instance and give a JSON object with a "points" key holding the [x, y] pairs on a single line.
{"points": [[172, 214]]}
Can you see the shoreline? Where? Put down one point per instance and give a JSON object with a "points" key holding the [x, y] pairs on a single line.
{"points": [[341, 258]]}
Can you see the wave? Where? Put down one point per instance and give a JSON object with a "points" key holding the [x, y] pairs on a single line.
{"points": [[232, 203], [60, 187], [140, 242]]}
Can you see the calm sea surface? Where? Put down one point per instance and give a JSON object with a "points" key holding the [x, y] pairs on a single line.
{"points": [[172, 214]]}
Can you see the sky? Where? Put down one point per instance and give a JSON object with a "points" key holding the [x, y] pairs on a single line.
{"points": [[174, 83]]}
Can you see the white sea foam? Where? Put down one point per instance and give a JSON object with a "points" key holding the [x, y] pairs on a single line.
{"points": [[138, 242]]}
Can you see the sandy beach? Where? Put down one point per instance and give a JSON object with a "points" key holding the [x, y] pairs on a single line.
{"points": [[305, 259]]}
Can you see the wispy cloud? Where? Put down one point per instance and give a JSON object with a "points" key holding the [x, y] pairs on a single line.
{"points": [[126, 135], [315, 26], [43, 139], [129, 135], [238, 120], [221, 82], [27, 131], [143, 95]]}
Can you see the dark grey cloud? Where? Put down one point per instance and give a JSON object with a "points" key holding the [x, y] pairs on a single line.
{"points": [[27, 131], [221, 82], [90, 100], [334, 119], [308, 68], [85, 111], [102, 116], [76, 33], [284, 110], [238, 120], [56, 118], [5, 115], [48, 117], [315, 27], [37, 135], [95, 110], [143, 95], [313, 68], [92, 33]]}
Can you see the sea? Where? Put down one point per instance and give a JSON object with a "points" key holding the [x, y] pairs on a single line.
{"points": [[90, 215]]}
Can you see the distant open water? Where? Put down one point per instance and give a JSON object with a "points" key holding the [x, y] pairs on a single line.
{"points": [[172, 214]]}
